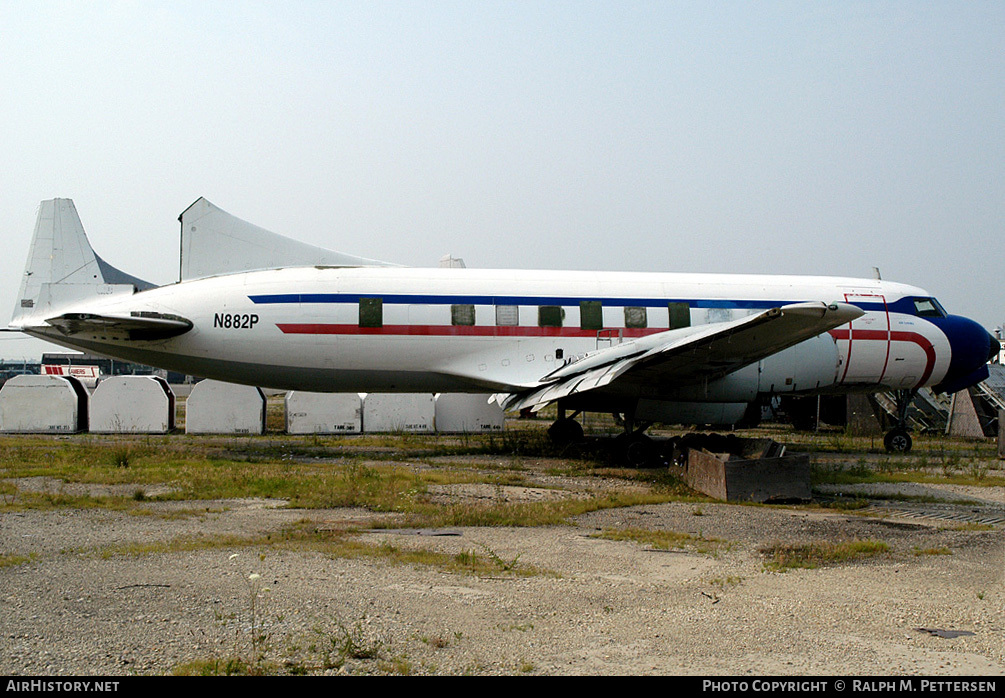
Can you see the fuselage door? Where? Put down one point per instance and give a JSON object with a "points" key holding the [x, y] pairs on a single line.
{"points": [[865, 343]]}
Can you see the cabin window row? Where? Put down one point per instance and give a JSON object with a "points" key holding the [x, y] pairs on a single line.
{"points": [[591, 315]]}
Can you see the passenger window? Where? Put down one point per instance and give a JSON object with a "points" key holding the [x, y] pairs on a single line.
{"points": [[371, 312], [591, 315], [680, 315], [462, 314], [550, 315], [507, 315], [636, 317]]}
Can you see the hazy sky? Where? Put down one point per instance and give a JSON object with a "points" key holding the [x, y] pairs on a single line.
{"points": [[781, 137]]}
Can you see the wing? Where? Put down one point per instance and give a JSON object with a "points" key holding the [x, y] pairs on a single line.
{"points": [[677, 357], [135, 326]]}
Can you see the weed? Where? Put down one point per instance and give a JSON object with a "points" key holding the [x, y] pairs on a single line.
{"points": [[847, 503], [437, 642], [353, 644], [122, 456], [231, 666], [943, 550], [725, 582], [503, 565], [978, 469]]}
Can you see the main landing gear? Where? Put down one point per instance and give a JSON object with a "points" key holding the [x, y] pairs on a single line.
{"points": [[898, 439], [632, 446], [635, 448]]}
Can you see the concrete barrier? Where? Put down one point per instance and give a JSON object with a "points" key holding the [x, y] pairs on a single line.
{"points": [[323, 413], [132, 405], [214, 407], [43, 405], [465, 413], [413, 413]]}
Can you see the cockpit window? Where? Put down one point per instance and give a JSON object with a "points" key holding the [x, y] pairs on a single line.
{"points": [[928, 307]]}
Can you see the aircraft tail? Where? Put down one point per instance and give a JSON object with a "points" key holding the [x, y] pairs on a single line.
{"points": [[62, 269]]}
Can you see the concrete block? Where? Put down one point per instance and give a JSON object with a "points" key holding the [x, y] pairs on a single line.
{"points": [[861, 418], [43, 405], [215, 407], [963, 419], [399, 412], [465, 413], [132, 405], [323, 413]]}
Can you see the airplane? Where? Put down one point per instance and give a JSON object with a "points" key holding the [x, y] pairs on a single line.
{"points": [[674, 348]]}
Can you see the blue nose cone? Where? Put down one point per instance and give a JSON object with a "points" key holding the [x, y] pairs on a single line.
{"points": [[972, 348]]}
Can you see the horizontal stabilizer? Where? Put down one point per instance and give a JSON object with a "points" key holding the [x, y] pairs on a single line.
{"points": [[688, 355], [213, 242], [145, 326]]}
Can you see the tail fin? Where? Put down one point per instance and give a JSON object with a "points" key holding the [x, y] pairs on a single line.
{"points": [[62, 269]]}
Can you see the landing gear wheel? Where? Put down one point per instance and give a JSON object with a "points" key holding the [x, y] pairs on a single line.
{"points": [[898, 440], [637, 450], [565, 431]]}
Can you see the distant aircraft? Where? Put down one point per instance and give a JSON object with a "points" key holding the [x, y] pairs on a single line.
{"points": [[676, 348]]}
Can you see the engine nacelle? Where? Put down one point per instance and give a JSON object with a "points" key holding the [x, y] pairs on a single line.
{"points": [[673, 412], [807, 366]]}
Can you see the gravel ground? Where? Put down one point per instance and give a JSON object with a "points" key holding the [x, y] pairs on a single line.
{"points": [[83, 604]]}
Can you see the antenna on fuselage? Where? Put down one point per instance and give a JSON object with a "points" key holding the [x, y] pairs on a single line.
{"points": [[876, 275]]}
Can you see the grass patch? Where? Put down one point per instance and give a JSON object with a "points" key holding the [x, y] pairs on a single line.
{"points": [[14, 559], [786, 556], [971, 526], [470, 562], [183, 544], [522, 514], [665, 540], [231, 666], [50, 501], [334, 544], [885, 471]]}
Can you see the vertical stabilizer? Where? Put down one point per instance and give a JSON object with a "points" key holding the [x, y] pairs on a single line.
{"points": [[62, 268], [215, 242]]}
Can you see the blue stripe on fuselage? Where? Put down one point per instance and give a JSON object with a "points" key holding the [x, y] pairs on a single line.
{"points": [[410, 299]]}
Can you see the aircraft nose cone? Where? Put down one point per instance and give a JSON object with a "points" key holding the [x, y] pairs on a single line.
{"points": [[972, 348]]}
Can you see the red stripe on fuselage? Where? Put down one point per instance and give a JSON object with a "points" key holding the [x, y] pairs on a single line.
{"points": [[881, 336], [460, 330]]}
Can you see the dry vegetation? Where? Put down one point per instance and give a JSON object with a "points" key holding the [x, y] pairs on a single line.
{"points": [[513, 479]]}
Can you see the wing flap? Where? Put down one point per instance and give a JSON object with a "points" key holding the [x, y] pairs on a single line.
{"points": [[676, 357]]}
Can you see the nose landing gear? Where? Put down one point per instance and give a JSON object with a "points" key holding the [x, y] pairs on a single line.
{"points": [[898, 439]]}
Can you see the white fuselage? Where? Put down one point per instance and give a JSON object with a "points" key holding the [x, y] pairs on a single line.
{"points": [[371, 329]]}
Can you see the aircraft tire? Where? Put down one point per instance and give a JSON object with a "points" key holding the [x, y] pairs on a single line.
{"points": [[637, 450], [898, 440], [565, 431]]}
